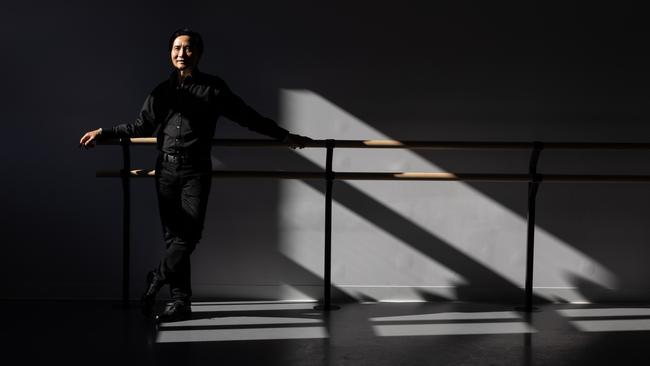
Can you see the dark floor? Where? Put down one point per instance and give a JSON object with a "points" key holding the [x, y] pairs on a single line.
{"points": [[287, 334]]}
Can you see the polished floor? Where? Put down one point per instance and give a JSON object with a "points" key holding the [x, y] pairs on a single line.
{"points": [[289, 333]]}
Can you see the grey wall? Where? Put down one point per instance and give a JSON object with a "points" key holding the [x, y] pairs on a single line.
{"points": [[452, 70]]}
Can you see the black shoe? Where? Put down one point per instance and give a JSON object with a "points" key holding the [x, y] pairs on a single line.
{"points": [[151, 290], [176, 311]]}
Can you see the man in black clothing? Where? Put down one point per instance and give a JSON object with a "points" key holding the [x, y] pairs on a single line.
{"points": [[183, 112]]}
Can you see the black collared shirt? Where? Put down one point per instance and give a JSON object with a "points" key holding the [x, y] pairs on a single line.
{"points": [[184, 115]]}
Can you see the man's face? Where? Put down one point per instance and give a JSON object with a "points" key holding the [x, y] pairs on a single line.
{"points": [[184, 54]]}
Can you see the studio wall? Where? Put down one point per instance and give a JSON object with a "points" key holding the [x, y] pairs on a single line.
{"points": [[442, 71]]}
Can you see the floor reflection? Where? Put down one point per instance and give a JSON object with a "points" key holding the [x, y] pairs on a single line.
{"points": [[291, 334]]}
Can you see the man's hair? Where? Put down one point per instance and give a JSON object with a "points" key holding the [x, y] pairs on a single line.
{"points": [[197, 40]]}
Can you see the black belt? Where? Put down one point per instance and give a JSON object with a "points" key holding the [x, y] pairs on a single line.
{"points": [[174, 158]]}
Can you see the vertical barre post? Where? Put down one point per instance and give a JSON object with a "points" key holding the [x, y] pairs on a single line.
{"points": [[533, 187], [327, 275], [126, 218]]}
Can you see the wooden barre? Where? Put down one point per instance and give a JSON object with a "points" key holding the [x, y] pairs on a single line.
{"points": [[397, 144], [420, 176], [144, 173]]}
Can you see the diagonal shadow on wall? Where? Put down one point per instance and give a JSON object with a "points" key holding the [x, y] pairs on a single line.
{"points": [[562, 256], [477, 275]]}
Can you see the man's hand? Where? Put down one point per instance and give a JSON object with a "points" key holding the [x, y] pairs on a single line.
{"points": [[88, 140], [297, 141]]}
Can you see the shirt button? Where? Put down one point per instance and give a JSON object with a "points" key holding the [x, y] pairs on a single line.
{"points": [[178, 126]]}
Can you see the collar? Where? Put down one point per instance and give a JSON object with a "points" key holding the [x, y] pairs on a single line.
{"points": [[189, 79]]}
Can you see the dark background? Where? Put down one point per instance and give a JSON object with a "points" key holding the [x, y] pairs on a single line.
{"points": [[441, 70]]}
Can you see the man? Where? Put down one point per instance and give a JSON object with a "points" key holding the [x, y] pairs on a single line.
{"points": [[183, 111]]}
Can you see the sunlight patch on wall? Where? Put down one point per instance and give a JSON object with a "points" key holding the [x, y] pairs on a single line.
{"points": [[364, 253], [453, 212]]}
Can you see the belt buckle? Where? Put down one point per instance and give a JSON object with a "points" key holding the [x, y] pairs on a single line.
{"points": [[176, 159]]}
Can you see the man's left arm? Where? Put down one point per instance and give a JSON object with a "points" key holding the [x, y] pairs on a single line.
{"points": [[238, 111]]}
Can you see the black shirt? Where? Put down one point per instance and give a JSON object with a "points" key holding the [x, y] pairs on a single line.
{"points": [[185, 115]]}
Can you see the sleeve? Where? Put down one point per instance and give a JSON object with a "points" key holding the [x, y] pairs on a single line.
{"points": [[144, 125], [235, 109]]}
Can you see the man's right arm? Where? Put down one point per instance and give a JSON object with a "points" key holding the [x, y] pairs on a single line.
{"points": [[144, 125]]}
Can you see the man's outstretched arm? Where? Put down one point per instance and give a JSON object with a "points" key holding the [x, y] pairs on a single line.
{"points": [[144, 125], [238, 111]]}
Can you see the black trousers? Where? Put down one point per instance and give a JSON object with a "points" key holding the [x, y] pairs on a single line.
{"points": [[183, 189]]}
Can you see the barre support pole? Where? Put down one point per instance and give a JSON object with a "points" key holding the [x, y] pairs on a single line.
{"points": [[533, 187], [126, 218], [327, 266]]}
